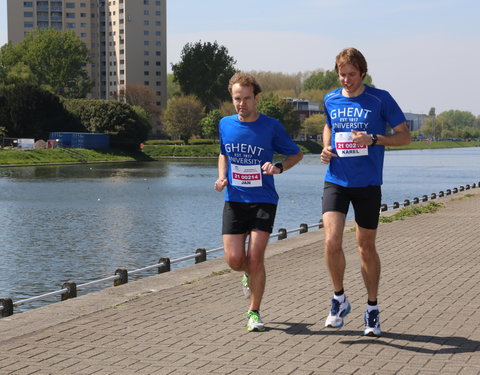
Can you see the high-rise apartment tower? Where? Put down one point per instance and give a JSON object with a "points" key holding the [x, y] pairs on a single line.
{"points": [[126, 39]]}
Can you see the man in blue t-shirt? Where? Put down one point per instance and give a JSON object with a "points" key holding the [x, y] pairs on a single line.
{"points": [[248, 142], [354, 138]]}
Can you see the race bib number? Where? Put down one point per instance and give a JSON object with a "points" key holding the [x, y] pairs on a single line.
{"points": [[246, 175], [346, 147]]}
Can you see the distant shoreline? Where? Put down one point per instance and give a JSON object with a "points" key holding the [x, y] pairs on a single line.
{"points": [[43, 157]]}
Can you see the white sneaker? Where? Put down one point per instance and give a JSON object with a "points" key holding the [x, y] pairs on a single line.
{"points": [[255, 323], [372, 324], [337, 313]]}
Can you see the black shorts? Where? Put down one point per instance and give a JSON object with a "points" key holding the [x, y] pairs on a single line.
{"points": [[366, 202], [239, 218]]}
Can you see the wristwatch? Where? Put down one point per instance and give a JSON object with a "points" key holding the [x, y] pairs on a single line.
{"points": [[279, 166], [374, 139]]}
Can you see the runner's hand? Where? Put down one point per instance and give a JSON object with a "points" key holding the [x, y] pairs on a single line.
{"points": [[220, 184], [269, 168], [361, 138], [327, 154]]}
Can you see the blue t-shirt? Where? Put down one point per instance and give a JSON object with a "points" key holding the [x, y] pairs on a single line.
{"points": [[370, 112], [248, 145]]}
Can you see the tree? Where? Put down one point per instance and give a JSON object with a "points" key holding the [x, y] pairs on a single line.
{"points": [[321, 80], [450, 124], [227, 108], [204, 71], [314, 95], [282, 110], [182, 117], [279, 83], [143, 96], [210, 123], [327, 80], [27, 111], [55, 58], [313, 125], [173, 88]]}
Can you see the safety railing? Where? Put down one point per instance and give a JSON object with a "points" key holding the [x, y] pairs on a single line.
{"points": [[120, 277]]}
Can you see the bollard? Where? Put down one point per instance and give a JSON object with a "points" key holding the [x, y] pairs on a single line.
{"points": [[383, 207], [320, 224], [282, 233], [448, 192], [462, 188], [165, 267], [455, 190], [303, 228], [474, 185], [123, 273], [467, 187], [440, 193], [406, 203], [433, 195], [424, 198], [71, 290], [396, 205], [202, 257], [7, 305], [416, 200]]}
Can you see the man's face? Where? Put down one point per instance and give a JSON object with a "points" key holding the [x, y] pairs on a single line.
{"points": [[351, 80], [245, 102]]}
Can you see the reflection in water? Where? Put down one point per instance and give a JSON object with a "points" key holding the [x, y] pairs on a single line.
{"points": [[82, 222]]}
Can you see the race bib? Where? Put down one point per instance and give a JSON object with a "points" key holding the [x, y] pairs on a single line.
{"points": [[246, 175], [346, 147]]}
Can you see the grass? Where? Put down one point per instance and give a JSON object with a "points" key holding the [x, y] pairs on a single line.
{"points": [[67, 156], [465, 196], [411, 211], [423, 145], [213, 274]]}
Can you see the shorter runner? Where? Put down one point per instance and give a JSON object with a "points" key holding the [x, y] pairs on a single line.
{"points": [[248, 142], [354, 139]]}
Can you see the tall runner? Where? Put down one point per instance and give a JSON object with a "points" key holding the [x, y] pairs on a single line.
{"points": [[354, 139]]}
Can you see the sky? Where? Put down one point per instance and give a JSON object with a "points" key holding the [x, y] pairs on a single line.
{"points": [[426, 53]]}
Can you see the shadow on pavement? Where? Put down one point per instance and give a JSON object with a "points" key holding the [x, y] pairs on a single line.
{"points": [[411, 342]]}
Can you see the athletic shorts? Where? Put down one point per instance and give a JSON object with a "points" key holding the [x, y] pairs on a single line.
{"points": [[239, 217], [366, 202]]}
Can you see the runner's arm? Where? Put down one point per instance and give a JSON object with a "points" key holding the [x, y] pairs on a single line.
{"points": [[327, 153], [222, 180], [400, 136]]}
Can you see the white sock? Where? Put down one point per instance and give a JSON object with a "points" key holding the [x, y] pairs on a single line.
{"points": [[371, 308], [340, 299]]}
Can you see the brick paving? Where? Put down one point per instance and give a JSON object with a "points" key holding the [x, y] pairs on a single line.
{"points": [[190, 321]]}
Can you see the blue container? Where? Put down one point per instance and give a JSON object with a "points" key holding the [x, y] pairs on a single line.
{"points": [[81, 140]]}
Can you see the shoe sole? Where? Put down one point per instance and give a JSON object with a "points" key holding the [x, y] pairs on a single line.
{"points": [[372, 334], [256, 329], [342, 315]]}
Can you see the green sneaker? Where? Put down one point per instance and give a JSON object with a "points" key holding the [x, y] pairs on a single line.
{"points": [[246, 288], [255, 323]]}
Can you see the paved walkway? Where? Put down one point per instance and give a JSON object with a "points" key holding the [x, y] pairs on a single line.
{"points": [[190, 321]]}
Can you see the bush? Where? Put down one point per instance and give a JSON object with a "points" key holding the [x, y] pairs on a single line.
{"points": [[127, 126]]}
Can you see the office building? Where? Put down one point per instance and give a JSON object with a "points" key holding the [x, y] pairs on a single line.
{"points": [[126, 39]]}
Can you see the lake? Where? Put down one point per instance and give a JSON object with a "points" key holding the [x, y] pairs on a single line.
{"points": [[82, 222]]}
